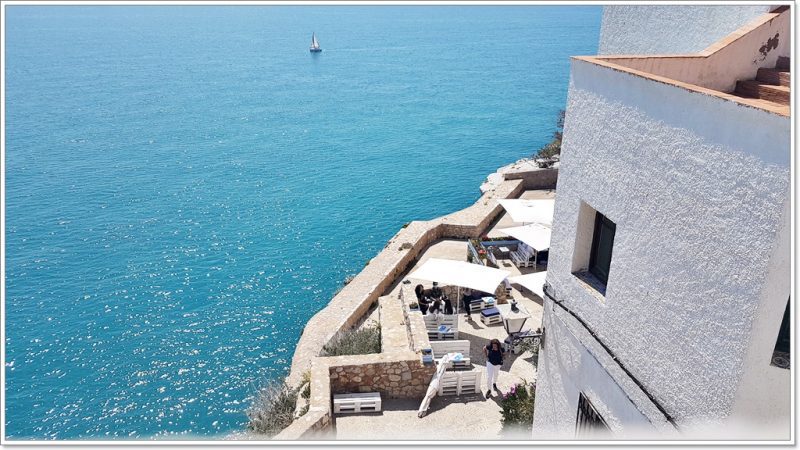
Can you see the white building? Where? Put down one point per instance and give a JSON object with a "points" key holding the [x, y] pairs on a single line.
{"points": [[669, 273]]}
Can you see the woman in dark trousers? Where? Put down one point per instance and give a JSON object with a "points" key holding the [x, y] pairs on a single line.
{"points": [[494, 360]]}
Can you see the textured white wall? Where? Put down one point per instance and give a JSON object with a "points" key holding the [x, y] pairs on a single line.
{"points": [[669, 29], [763, 397], [696, 186], [567, 369]]}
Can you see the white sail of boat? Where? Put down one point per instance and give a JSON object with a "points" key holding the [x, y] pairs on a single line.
{"points": [[314, 44]]}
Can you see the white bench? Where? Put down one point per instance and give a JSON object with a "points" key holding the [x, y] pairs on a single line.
{"points": [[441, 348], [432, 325], [493, 318], [481, 304], [462, 382], [521, 259], [357, 403]]}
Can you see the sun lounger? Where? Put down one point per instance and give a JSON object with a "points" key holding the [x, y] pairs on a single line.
{"points": [[357, 403]]}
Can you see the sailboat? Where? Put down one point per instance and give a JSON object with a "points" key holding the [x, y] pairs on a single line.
{"points": [[314, 44]]}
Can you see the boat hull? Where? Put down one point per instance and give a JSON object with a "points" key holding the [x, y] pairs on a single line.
{"points": [[315, 50]]}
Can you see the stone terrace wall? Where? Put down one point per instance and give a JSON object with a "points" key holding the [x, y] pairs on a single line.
{"points": [[396, 372], [393, 378]]}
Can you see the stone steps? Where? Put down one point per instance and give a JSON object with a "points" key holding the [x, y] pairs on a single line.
{"points": [[774, 76], [771, 84], [763, 91]]}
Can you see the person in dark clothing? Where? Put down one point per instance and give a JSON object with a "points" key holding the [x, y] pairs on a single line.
{"points": [[494, 360], [448, 305], [436, 307], [436, 291], [419, 290], [423, 302], [467, 298]]}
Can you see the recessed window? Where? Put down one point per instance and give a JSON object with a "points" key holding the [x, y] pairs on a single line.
{"points": [[602, 246], [780, 356], [589, 422], [594, 243]]}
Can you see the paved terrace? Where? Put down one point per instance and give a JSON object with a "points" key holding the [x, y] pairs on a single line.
{"points": [[456, 417]]}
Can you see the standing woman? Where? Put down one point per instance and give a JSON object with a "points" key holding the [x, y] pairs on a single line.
{"points": [[494, 360]]}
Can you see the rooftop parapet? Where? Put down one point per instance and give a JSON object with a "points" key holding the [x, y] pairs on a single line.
{"points": [[716, 70]]}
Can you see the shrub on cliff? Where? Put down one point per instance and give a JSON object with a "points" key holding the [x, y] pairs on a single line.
{"points": [[272, 409], [554, 147], [360, 341]]}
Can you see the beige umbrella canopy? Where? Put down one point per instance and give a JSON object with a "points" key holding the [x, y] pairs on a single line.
{"points": [[530, 211], [532, 281], [536, 236], [460, 273]]}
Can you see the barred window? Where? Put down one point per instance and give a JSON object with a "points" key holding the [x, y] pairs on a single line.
{"points": [[780, 356], [589, 423]]}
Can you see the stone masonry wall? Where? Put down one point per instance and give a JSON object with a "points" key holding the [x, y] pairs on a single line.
{"points": [[393, 379]]}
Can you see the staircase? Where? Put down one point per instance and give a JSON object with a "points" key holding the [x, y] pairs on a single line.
{"points": [[771, 85]]}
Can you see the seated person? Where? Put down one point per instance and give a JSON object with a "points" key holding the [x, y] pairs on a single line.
{"points": [[424, 305], [421, 299], [436, 307], [419, 291], [436, 291], [468, 297]]}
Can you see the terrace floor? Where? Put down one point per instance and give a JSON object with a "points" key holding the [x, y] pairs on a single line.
{"points": [[467, 417]]}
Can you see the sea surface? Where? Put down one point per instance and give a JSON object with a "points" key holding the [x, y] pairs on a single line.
{"points": [[187, 185]]}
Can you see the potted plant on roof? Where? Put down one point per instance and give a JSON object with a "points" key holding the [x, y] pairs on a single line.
{"points": [[482, 255]]}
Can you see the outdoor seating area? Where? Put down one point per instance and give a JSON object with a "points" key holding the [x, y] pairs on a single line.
{"points": [[488, 301]]}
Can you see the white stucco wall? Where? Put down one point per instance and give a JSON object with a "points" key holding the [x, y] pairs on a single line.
{"points": [[763, 397], [696, 186], [568, 368], [669, 29]]}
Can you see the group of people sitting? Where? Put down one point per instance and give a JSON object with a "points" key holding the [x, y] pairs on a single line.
{"points": [[433, 301]]}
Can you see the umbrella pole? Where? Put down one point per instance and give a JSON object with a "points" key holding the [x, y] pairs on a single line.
{"points": [[458, 300]]}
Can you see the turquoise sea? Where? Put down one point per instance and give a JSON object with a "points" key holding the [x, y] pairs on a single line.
{"points": [[186, 186]]}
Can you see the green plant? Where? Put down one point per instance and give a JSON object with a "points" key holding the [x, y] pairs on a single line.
{"points": [[517, 407], [359, 341], [554, 147], [272, 409], [413, 305], [306, 382], [304, 410]]}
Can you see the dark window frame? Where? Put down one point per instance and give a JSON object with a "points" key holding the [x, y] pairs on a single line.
{"points": [[602, 227], [782, 351]]}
